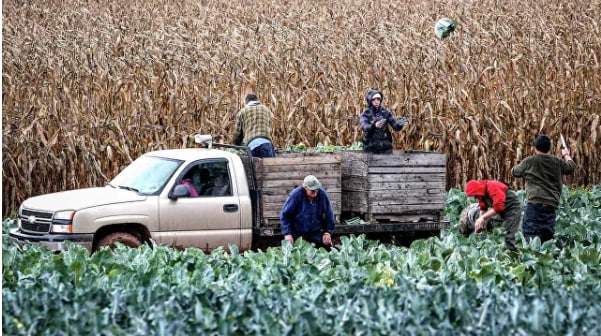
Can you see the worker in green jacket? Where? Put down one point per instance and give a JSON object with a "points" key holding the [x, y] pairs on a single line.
{"points": [[543, 174]]}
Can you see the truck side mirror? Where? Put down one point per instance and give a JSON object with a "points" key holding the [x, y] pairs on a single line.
{"points": [[181, 190]]}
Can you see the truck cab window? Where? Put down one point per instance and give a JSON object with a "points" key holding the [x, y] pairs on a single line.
{"points": [[209, 178]]}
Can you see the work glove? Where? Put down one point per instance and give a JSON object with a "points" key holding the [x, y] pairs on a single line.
{"points": [[403, 121]]}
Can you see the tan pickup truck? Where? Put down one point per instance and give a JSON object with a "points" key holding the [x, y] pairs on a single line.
{"points": [[209, 197]]}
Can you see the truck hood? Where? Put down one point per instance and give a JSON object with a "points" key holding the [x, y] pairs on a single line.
{"points": [[81, 198]]}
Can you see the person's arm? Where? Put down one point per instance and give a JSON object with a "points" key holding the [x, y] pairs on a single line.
{"points": [[288, 212], [238, 134], [519, 169], [330, 220], [568, 165], [396, 125], [366, 122], [483, 216]]}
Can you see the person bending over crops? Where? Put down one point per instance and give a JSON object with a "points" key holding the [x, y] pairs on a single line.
{"points": [[375, 121], [494, 198], [308, 213], [253, 127], [543, 174], [468, 217]]}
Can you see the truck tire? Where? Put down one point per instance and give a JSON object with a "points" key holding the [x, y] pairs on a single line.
{"points": [[124, 238]]}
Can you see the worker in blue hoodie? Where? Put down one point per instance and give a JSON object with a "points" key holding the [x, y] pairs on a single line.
{"points": [[308, 213], [375, 121]]}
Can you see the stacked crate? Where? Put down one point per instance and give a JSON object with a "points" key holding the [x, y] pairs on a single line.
{"points": [[405, 186], [277, 177]]}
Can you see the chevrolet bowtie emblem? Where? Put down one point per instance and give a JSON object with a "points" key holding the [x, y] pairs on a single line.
{"points": [[31, 219]]}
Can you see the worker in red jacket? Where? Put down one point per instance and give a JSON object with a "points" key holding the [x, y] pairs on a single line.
{"points": [[494, 198]]}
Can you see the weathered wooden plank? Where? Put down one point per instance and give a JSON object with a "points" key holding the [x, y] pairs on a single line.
{"points": [[383, 178], [285, 154], [354, 163], [327, 184], [303, 160], [354, 169], [354, 202], [299, 172], [281, 197], [409, 208], [354, 183], [407, 170], [435, 199], [354, 207], [407, 158], [405, 186], [414, 198], [414, 218]]}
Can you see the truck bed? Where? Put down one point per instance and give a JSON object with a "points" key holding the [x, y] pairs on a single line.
{"points": [[399, 193]]}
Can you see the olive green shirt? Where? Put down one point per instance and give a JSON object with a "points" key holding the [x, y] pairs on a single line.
{"points": [[543, 175]]}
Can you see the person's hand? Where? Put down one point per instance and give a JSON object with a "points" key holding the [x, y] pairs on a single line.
{"points": [[380, 123], [326, 239], [565, 152], [403, 121], [289, 238], [479, 224]]}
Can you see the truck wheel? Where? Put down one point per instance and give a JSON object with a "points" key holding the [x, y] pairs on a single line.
{"points": [[124, 238]]}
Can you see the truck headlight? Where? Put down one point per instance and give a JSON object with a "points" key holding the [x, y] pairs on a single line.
{"points": [[62, 221], [64, 216], [56, 228]]}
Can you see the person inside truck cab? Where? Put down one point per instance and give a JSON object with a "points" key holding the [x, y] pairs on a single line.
{"points": [[308, 214], [221, 186], [202, 180], [187, 181]]}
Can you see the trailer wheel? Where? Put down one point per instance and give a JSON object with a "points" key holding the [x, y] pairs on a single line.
{"points": [[124, 238]]}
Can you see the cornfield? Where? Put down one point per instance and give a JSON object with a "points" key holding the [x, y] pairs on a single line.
{"points": [[87, 86]]}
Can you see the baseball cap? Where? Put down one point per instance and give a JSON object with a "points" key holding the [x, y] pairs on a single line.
{"points": [[376, 96], [311, 182]]}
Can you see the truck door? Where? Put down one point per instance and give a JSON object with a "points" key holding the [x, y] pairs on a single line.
{"points": [[208, 220]]}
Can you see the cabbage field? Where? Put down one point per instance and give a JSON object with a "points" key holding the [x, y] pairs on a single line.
{"points": [[438, 286]]}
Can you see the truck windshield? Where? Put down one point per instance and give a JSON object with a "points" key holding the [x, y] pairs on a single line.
{"points": [[146, 175]]}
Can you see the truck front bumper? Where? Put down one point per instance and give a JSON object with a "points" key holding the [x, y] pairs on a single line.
{"points": [[53, 242]]}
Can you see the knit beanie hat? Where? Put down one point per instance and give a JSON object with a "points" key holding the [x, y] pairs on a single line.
{"points": [[543, 143]]}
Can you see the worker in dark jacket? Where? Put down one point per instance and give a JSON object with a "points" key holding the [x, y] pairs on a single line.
{"points": [[375, 121], [308, 213], [544, 181], [494, 198]]}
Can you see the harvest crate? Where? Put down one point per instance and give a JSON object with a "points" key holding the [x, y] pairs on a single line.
{"points": [[405, 186], [277, 177]]}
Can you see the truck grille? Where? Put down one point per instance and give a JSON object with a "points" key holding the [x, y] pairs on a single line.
{"points": [[35, 221]]}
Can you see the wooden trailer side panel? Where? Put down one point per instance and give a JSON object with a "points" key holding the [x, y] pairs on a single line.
{"points": [[405, 186]]}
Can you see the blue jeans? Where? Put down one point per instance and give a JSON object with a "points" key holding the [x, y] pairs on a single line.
{"points": [[264, 150], [539, 221]]}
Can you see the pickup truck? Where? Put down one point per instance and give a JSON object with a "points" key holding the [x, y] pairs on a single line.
{"points": [[209, 197]]}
